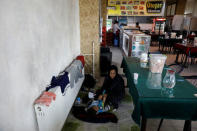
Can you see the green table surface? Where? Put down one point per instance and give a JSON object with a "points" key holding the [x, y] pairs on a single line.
{"points": [[152, 100]]}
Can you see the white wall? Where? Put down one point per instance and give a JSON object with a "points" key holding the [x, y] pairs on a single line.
{"points": [[38, 38], [195, 9], [189, 7]]}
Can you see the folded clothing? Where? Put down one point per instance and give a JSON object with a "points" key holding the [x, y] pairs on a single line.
{"points": [[51, 94], [75, 71], [81, 58], [46, 98]]}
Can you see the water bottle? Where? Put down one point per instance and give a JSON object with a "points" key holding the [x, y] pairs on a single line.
{"points": [[100, 106], [78, 101]]}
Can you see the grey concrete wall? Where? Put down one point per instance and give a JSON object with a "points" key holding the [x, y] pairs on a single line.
{"points": [[38, 39]]}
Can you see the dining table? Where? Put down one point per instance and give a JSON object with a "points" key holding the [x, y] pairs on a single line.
{"points": [[188, 50], [152, 100], [166, 44]]}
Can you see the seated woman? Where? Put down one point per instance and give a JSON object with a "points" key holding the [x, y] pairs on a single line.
{"points": [[113, 88]]}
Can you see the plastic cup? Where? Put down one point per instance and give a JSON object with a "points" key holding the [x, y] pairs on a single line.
{"points": [[135, 76], [157, 62], [144, 57]]}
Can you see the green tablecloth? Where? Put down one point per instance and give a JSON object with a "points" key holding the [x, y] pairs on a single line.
{"points": [[154, 101]]}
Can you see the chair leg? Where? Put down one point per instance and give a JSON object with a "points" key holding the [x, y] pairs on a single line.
{"points": [[187, 125], [144, 122], [160, 124]]}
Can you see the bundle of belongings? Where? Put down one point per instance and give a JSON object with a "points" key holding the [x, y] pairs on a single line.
{"points": [[95, 112], [89, 82], [81, 113]]}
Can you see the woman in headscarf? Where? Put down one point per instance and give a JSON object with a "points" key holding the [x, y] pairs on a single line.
{"points": [[113, 87]]}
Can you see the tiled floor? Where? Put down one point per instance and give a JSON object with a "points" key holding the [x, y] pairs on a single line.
{"points": [[125, 122]]}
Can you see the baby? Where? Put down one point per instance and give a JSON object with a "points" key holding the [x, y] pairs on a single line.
{"points": [[97, 106]]}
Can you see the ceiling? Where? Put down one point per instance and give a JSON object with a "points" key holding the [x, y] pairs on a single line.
{"points": [[171, 1]]}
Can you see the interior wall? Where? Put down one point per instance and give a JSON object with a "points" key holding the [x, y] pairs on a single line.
{"points": [[89, 32], [38, 39], [189, 7], [180, 7], [195, 10], [104, 11]]}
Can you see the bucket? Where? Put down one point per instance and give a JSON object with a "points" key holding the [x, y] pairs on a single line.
{"points": [[157, 62], [115, 42]]}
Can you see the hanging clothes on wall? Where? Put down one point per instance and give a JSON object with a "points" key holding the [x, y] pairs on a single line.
{"points": [[61, 81], [75, 71]]}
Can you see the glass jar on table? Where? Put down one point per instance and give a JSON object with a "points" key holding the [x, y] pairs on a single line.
{"points": [[169, 80]]}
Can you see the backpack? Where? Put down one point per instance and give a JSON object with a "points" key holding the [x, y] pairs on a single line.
{"points": [[89, 81]]}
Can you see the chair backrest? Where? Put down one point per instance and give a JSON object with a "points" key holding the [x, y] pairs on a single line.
{"points": [[185, 73], [105, 49]]}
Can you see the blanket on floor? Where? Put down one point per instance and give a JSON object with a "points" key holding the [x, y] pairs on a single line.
{"points": [[87, 116]]}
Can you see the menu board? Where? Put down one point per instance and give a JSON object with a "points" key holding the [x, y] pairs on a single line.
{"points": [[136, 7]]}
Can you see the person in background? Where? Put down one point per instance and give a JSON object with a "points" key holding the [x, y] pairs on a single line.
{"points": [[116, 30], [137, 25], [113, 88]]}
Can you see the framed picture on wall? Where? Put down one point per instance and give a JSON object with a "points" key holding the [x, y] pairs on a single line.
{"points": [[130, 2], [136, 2], [141, 7], [168, 10], [124, 2], [122, 7], [129, 12], [173, 8], [135, 7], [123, 12], [142, 2], [141, 12], [128, 7], [117, 2], [112, 3], [135, 12]]}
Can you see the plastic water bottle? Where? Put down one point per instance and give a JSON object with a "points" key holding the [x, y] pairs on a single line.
{"points": [[100, 106], [78, 101]]}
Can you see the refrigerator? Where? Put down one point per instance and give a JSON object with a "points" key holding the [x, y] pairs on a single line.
{"points": [[134, 44], [158, 25]]}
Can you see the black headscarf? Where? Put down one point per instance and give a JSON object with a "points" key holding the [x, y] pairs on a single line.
{"points": [[112, 67], [113, 86]]}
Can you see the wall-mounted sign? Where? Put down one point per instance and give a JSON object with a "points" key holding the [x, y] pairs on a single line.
{"points": [[109, 24], [154, 6], [136, 7], [111, 7]]}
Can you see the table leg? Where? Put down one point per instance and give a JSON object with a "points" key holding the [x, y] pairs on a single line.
{"points": [[177, 57], [143, 126], [187, 125], [160, 124], [185, 61]]}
